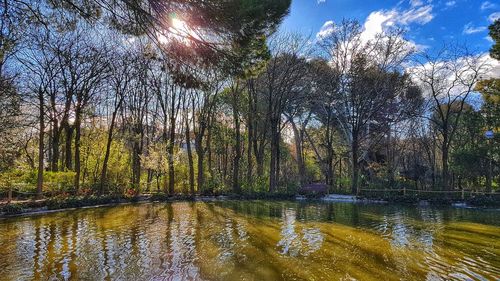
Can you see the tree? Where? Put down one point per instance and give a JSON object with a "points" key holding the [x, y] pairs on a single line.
{"points": [[10, 113], [448, 79], [495, 35], [371, 84], [121, 75]]}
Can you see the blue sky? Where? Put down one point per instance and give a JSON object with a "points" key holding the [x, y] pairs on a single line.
{"points": [[430, 23]]}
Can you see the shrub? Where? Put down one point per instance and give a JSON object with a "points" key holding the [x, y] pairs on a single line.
{"points": [[76, 202], [12, 209], [159, 197], [130, 193], [483, 201]]}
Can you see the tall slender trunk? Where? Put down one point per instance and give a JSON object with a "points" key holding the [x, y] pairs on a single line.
{"points": [[39, 183], [209, 151], [273, 181], [149, 179], [329, 168], [68, 154], [190, 158], [199, 154], [136, 164], [77, 145], [104, 170], [56, 135], [444, 160], [489, 175], [170, 155], [237, 144], [298, 153], [249, 153], [237, 148], [355, 165]]}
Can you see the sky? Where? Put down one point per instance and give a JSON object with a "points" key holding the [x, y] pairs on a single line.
{"points": [[429, 23]]}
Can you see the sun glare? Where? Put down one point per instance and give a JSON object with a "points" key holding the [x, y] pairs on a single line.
{"points": [[178, 30], [179, 25]]}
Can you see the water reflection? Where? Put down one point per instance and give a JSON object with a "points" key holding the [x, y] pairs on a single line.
{"points": [[252, 241], [292, 243]]}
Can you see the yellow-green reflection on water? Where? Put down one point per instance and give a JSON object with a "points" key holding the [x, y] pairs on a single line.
{"points": [[257, 240]]}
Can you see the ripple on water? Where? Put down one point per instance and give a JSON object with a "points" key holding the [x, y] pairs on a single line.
{"points": [[252, 241]]}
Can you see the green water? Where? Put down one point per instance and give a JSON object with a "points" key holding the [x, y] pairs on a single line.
{"points": [[257, 240]]}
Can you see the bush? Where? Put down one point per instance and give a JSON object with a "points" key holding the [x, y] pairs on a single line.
{"points": [[12, 209], [76, 202], [159, 197], [484, 201]]}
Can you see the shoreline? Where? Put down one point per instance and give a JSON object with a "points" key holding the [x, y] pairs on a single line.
{"points": [[49, 206]]}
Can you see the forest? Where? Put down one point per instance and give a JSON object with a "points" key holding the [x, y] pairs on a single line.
{"points": [[122, 97]]}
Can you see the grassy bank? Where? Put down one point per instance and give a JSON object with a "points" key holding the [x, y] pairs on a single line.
{"points": [[58, 203], [478, 200]]}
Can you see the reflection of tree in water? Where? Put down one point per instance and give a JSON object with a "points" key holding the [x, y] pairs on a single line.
{"points": [[188, 241], [182, 249], [294, 244]]}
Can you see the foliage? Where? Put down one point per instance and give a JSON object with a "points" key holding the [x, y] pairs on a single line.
{"points": [[11, 209], [495, 35], [63, 202], [227, 106]]}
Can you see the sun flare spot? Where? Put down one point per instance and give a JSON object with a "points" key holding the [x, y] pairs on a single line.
{"points": [[179, 25]]}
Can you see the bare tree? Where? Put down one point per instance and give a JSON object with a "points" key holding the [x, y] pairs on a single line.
{"points": [[371, 82], [121, 75], [279, 84], [448, 78]]}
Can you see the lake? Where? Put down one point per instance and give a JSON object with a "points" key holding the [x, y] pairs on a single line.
{"points": [[253, 240]]}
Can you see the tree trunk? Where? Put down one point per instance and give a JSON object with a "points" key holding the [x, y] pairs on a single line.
{"points": [[274, 156], [209, 151], [249, 151], [77, 145], [39, 183], [190, 158], [329, 167], [68, 155], [489, 175], [56, 135], [444, 159], [299, 154], [201, 176], [250, 132], [136, 164], [104, 170], [259, 159], [55, 147], [237, 154], [355, 166], [170, 155]]}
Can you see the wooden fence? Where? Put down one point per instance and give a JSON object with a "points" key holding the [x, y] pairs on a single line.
{"points": [[462, 194]]}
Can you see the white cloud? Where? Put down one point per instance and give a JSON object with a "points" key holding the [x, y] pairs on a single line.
{"points": [[422, 15], [327, 29], [321, 1], [378, 21], [489, 39], [492, 66], [445, 72], [494, 16], [417, 47], [487, 5], [450, 3], [471, 29], [416, 3]]}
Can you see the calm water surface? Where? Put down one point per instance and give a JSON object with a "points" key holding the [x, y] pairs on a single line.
{"points": [[254, 240]]}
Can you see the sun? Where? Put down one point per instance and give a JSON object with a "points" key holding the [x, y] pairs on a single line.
{"points": [[179, 25], [178, 30]]}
